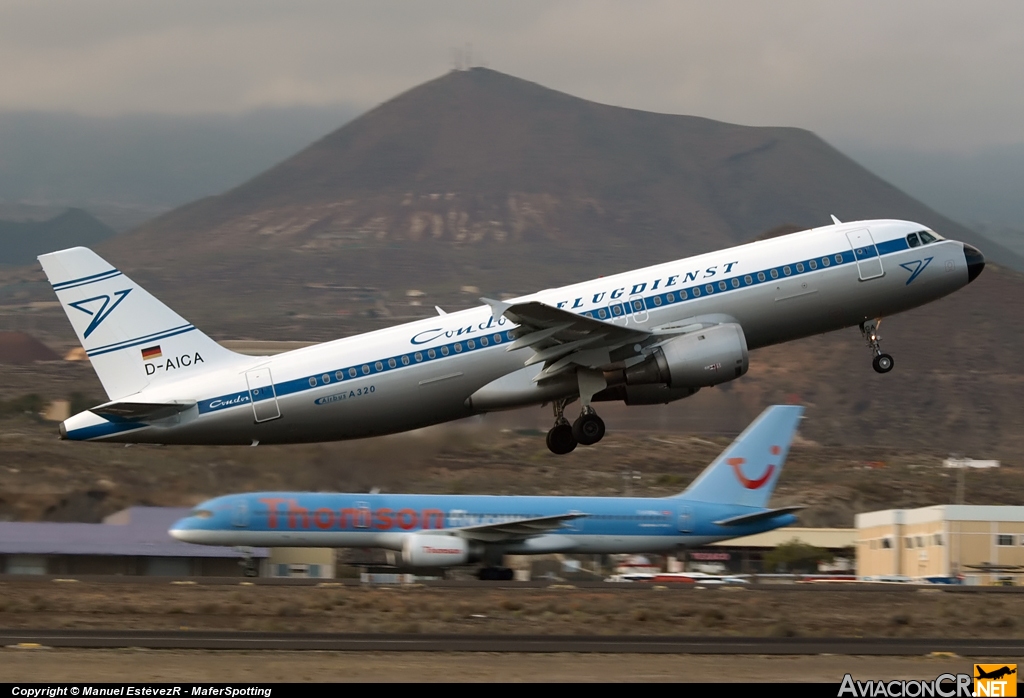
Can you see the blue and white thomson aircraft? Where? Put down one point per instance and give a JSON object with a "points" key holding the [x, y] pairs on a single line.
{"points": [[727, 500], [644, 337]]}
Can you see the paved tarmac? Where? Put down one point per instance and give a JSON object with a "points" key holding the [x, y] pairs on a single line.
{"points": [[782, 587], [622, 644]]}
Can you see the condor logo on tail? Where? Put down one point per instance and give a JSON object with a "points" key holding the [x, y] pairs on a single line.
{"points": [[101, 313]]}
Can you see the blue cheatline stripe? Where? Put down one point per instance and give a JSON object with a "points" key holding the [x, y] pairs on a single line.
{"points": [[618, 310], [85, 280], [105, 429], [143, 340], [117, 345], [351, 373]]}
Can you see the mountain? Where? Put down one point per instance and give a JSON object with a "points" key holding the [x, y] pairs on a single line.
{"points": [[22, 241], [479, 178]]}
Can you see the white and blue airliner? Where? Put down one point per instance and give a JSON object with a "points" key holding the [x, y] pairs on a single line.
{"points": [[649, 336], [727, 500]]}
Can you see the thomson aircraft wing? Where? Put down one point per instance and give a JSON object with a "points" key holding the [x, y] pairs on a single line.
{"points": [[759, 516], [515, 530]]}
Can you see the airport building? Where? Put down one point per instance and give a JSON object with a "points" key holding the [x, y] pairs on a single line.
{"points": [[135, 541], [981, 544], [130, 542], [746, 554]]}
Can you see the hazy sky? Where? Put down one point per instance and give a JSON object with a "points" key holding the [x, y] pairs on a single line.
{"points": [[935, 75]]}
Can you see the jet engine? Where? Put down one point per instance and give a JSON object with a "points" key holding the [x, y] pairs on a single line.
{"points": [[425, 550], [686, 363], [653, 394]]}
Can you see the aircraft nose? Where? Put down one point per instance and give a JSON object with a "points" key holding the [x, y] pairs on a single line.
{"points": [[975, 262], [180, 531], [178, 534]]}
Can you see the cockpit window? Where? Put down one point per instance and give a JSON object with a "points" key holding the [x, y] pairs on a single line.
{"points": [[202, 513], [927, 237], [913, 240]]}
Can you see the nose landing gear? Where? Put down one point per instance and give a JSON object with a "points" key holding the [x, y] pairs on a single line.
{"points": [[882, 363]]}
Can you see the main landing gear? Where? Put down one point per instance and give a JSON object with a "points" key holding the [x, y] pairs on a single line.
{"points": [[495, 574], [588, 429], [882, 363], [247, 563]]}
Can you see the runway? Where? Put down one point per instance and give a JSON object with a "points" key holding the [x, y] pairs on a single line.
{"points": [[765, 585], [612, 644]]}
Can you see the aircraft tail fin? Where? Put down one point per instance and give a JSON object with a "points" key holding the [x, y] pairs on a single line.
{"points": [[132, 339], [746, 472]]}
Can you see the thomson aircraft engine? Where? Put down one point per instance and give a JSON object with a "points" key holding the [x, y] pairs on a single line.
{"points": [[425, 550]]}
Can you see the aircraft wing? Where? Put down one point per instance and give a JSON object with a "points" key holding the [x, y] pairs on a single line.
{"points": [[515, 530], [140, 411], [561, 339], [758, 516]]}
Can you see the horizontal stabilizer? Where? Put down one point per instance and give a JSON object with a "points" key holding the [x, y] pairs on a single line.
{"points": [[759, 516], [140, 411], [516, 530]]}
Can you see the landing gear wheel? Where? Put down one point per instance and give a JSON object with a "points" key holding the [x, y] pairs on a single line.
{"points": [[588, 428], [560, 439], [882, 363], [494, 574]]}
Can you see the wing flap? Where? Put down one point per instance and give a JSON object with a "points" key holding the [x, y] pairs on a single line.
{"points": [[759, 516], [561, 339], [516, 530]]}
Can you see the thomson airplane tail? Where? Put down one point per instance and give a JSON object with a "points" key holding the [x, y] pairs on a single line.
{"points": [[133, 340], [746, 472]]}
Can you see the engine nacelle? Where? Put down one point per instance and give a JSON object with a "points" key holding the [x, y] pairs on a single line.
{"points": [[653, 394], [424, 550], [696, 360]]}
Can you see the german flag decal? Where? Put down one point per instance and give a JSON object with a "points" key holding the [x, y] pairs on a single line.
{"points": [[150, 353]]}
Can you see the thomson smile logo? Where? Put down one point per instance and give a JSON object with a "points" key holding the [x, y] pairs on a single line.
{"points": [[757, 483]]}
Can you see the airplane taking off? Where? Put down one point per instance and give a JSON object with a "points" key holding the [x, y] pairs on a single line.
{"points": [[727, 500], [649, 336]]}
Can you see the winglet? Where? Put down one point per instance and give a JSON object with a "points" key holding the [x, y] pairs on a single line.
{"points": [[836, 220], [498, 308]]}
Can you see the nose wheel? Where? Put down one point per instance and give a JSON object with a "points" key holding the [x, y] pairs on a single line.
{"points": [[882, 363]]}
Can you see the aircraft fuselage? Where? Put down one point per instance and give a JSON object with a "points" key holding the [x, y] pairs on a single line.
{"points": [[433, 370]]}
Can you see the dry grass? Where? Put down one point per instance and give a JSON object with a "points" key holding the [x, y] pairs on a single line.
{"points": [[687, 611]]}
